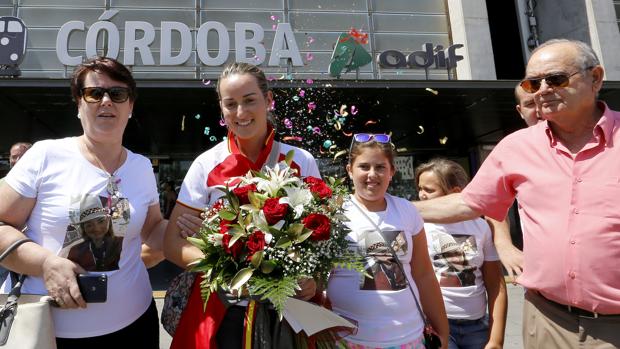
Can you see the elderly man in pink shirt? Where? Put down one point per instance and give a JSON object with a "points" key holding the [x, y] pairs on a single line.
{"points": [[565, 173]]}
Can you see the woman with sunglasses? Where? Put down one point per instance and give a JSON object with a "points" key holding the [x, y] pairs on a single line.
{"points": [[389, 233], [45, 191], [245, 100]]}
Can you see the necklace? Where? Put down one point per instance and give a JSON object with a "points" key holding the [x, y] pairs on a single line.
{"points": [[113, 182]]}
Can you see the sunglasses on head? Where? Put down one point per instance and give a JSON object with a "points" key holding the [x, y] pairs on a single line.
{"points": [[95, 94], [557, 80], [367, 137]]}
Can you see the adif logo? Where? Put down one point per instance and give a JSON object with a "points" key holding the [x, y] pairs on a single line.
{"points": [[12, 45]]}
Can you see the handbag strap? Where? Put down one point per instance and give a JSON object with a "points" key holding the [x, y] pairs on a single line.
{"points": [[12, 247], [417, 304]]}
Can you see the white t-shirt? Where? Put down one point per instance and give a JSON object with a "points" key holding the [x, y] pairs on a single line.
{"points": [[458, 251], [61, 179], [220, 163], [383, 306]]}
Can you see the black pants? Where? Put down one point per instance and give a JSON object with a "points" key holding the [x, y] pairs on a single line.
{"points": [[145, 330]]}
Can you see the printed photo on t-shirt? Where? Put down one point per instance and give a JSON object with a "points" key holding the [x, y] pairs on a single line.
{"points": [[378, 251], [94, 238], [452, 258]]}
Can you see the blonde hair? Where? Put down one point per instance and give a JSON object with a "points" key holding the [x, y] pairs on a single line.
{"points": [[449, 173]]}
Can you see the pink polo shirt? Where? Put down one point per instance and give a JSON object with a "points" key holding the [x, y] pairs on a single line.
{"points": [[569, 206]]}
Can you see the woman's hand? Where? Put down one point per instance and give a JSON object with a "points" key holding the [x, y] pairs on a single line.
{"points": [[189, 225], [308, 289], [59, 277]]}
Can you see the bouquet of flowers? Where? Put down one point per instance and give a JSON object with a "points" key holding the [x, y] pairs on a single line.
{"points": [[270, 229]]}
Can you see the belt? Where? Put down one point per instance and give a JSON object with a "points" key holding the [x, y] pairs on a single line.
{"points": [[577, 311]]}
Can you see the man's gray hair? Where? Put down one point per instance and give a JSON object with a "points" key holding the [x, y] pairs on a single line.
{"points": [[587, 57]]}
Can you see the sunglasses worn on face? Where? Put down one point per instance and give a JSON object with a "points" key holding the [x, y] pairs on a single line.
{"points": [[556, 80], [367, 137], [95, 94]]}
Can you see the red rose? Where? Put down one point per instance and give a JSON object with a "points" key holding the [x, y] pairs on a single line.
{"points": [[224, 225], [274, 211], [235, 249], [242, 193], [255, 243], [318, 187], [319, 224]]}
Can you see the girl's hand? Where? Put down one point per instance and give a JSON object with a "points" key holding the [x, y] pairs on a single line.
{"points": [[189, 225]]}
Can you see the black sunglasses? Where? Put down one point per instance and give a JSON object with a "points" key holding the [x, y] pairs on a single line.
{"points": [[557, 80], [95, 94]]}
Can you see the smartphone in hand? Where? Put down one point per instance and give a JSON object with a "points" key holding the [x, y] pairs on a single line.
{"points": [[93, 287]]}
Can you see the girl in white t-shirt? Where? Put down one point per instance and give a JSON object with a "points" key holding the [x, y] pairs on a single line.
{"points": [[466, 264], [388, 231]]}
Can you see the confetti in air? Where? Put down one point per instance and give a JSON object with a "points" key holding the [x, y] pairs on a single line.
{"points": [[354, 110], [309, 56], [183, 123], [207, 130], [370, 122], [206, 82], [435, 92], [339, 154], [302, 93], [288, 123], [197, 116], [421, 129], [292, 138], [443, 140], [213, 138], [327, 144]]}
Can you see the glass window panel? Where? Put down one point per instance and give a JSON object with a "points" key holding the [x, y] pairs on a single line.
{"points": [[320, 41], [155, 17], [6, 3], [410, 23], [328, 5], [241, 4], [43, 60], [408, 43], [154, 3], [6, 11], [2, 25], [229, 18], [61, 3], [47, 74], [320, 21], [420, 6], [55, 17], [46, 38]]}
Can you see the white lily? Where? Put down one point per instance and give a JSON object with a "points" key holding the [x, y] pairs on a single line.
{"points": [[279, 176], [297, 198], [215, 239]]}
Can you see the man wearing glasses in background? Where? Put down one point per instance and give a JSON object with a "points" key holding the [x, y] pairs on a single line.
{"points": [[566, 174]]}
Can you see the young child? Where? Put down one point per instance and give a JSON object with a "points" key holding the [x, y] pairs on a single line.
{"points": [[388, 231], [466, 264]]}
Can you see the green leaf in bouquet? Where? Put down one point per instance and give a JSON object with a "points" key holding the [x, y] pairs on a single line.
{"points": [[284, 242], [200, 243], [303, 236], [289, 157], [254, 200], [276, 290], [241, 278], [259, 174], [248, 207], [227, 215], [295, 229], [236, 235], [257, 258], [267, 266]]}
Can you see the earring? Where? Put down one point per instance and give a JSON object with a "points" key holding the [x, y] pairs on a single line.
{"points": [[130, 115], [222, 120], [78, 116]]}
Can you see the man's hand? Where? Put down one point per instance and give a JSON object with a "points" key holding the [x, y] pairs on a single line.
{"points": [[60, 281], [512, 260]]}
